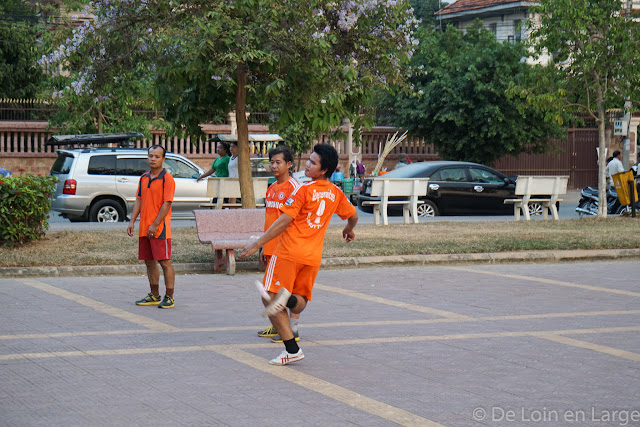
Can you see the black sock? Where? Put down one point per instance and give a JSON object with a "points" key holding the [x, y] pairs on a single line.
{"points": [[291, 346], [292, 301]]}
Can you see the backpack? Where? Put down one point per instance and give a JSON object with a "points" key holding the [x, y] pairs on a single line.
{"points": [[360, 168]]}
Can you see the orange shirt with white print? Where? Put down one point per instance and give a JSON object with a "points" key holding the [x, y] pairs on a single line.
{"points": [[153, 192], [277, 194], [311, 206]]}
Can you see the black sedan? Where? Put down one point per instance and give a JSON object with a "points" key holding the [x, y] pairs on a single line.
{"points": [[456, 188]]}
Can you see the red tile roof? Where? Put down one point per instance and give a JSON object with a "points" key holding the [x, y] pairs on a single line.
{"points": [[464, 5]]}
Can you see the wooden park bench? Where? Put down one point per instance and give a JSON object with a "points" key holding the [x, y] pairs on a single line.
{"points": [[397, 191], [229, 188], [538, 189], [227, 230]]}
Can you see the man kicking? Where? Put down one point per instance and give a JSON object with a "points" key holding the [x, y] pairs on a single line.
{"points": [[302, 226], [280, 159]]}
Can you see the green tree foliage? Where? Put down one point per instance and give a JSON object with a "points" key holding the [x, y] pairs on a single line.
{"points": [[595, 51], [312, 62], [299, 138], [96, 100], [20, 77], [424, 11], [458, 98]]}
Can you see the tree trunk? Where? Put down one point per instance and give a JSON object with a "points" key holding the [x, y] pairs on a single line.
{"points": [[602, 156], [244, 165]]}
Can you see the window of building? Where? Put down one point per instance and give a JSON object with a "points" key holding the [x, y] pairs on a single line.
{"points": [[494, 29], [517, 30]]}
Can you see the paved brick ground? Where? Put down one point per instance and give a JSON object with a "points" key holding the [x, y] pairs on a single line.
{"points": [[543, 344]]}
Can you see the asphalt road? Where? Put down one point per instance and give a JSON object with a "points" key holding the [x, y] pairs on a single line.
{"points": [[567, 211]]}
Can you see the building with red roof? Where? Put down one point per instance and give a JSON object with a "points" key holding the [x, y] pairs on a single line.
{"points": [[505, 18]]}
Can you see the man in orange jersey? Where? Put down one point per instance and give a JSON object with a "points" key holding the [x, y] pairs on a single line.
{"points": [[302, 226], [277, 193], [153, 203]]}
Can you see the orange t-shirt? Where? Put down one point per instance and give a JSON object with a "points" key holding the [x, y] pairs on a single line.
{"points": [[311, 205], [277, 194], [153, 192]]}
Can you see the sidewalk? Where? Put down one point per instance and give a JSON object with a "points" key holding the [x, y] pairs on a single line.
{"points": [[453, 345]]}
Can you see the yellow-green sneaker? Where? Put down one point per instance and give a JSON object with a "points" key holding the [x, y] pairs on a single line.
{"points": [[269, 331], [278, 339], [150, 299], [167, 302]]}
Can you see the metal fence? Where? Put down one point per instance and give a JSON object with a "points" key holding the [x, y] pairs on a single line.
{"points": [[25, 110]]}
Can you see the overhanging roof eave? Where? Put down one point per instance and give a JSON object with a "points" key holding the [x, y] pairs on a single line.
{"points": [[469, 13]]}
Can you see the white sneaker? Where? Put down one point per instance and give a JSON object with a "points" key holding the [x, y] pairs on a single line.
{"points": [[278, 303], [286, 357]]}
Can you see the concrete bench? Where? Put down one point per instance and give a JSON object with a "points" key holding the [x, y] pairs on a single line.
{"points": [[227, 230], [538, 189], [405, 192], [229, 188]]}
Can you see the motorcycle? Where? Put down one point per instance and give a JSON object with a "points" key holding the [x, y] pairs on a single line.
{"points": [[588, 204]]}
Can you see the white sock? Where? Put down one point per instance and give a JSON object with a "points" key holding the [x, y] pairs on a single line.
{"points": [[294, 325]]}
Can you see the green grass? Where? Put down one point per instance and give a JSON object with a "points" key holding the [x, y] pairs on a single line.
{"points": [[62, 248]]}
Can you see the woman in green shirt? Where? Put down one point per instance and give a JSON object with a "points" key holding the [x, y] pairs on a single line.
{"points": [[220, 165]]}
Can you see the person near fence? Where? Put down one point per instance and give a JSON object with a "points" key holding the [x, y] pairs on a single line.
{"points": [[301, 227], [233, 164], [403, 160], [154, 198], [614, 166], [277, 193], [220, 166], [360, 169], [233, 160]]}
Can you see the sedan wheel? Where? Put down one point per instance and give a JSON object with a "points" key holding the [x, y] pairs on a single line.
{"points": [[427, 209], [535, 208]]}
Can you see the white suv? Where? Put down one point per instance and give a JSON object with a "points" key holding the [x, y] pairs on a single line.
{"points": [[99, 184]]}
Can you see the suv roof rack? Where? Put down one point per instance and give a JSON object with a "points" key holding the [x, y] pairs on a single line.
{"points": [[123, 139]]}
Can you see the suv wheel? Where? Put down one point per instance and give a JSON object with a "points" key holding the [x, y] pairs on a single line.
{"points": [[106, 210]]}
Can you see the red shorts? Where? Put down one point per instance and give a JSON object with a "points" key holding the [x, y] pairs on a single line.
{"points": [[154, 249], [295, 277]]}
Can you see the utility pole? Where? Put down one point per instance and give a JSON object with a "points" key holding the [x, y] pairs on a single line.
{"points": [[627, 110]]}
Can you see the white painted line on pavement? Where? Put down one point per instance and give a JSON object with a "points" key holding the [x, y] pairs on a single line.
{"points": [[591, 346], [549, 281], [99, 306], [380, 340], [404, 305], [333, 391], [324, 325]]}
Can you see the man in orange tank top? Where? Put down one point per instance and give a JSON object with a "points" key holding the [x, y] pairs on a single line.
{"points": [[301, 227], [277, 193]]}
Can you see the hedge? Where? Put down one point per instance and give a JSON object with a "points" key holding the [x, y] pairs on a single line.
{"points": [[24, 206]]}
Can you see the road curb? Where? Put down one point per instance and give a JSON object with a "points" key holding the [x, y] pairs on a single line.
{"points": [[343, 262], [485, 258]]}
